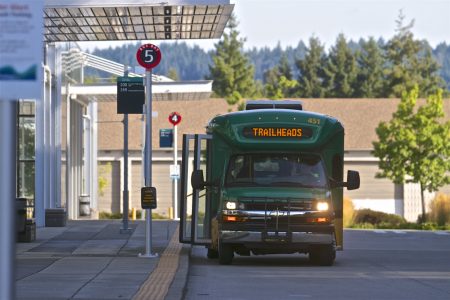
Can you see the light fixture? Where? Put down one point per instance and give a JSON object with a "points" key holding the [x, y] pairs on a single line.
{"points": [[322, 206], [230, 205]]}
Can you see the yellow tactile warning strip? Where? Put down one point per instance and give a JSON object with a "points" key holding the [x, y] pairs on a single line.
{"points": [[157, 284]]}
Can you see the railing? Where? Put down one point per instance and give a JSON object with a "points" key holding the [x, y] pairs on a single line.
{"points": [[75, 59]]}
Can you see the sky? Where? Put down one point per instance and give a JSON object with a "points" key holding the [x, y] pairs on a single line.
{"points": [[267, 22]]}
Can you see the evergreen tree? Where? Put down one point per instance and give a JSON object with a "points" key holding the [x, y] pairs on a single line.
{"points": [[341, 70], [371, 63], [442, 55], [192, 62], [271, 88], [284, 68], [409, 63], [231, 70], [414, 146], [278, 80], [311, 71]]}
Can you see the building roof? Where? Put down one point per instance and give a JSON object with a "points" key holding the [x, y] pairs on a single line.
{"points": [[360, 117], [161, 91]]}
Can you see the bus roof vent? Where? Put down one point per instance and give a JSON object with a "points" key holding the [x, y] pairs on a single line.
{"points": [[273, 104]]}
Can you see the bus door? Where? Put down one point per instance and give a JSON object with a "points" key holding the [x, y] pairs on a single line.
{"points": [[195, 205]]}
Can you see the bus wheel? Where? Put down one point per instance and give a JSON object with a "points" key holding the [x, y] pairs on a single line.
{"points": [[323, 255], [226, 253], [212, 253]]}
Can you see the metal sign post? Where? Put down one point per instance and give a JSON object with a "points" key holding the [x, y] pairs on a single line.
{"points": [[125, 196], [175, 179], [148, 161], [130, 99], [148, 56], [175, 119]]}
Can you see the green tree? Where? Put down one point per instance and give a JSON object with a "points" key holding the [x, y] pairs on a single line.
{"points": [[369, 83], [279, 83], [310, 81], [231, 71], [173, 74], [284, 68], [409, 63], [341, 70], [414, 146]]}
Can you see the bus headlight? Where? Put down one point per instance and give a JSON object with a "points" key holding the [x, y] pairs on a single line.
{"points": [[322, 206], [230, 205]]}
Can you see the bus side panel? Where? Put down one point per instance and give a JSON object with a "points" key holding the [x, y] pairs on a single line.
{"points": [[334, 157], [219, 156]]}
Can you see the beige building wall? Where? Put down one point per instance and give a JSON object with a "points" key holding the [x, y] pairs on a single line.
{"points": [[375, 193], [160, 179], [109, 186]]}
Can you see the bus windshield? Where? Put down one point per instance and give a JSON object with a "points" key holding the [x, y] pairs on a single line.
{"points": [[283, 170]]}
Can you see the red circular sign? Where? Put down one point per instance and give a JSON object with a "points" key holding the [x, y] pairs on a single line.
{"points": [[175, 118], [148, 56]]}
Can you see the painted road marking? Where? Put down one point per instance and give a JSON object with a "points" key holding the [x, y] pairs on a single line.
{"points": [[157, 284], [438, 232], [442, 232], [380, 231]]}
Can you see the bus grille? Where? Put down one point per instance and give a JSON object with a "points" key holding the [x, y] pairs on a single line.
{"points": [[280, 204]]}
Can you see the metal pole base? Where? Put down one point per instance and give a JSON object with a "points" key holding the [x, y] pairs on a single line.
{"points": [[151, 255]]}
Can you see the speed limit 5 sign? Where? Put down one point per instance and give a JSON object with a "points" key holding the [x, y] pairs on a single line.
{"points": [[148, 56]]}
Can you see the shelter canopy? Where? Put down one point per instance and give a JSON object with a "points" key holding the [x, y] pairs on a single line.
{"points": [[113, 20]]}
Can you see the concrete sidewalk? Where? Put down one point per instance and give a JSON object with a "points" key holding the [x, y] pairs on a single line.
{"points": [[93, 260]]}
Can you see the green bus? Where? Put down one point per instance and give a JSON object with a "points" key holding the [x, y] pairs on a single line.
{"points": [[265, 180]]}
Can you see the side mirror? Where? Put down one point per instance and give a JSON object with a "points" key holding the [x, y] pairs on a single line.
{"points": [[197, 180], [353, 180]]}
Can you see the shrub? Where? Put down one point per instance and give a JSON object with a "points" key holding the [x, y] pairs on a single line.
{"points": [[103, 215], [349, 212], [377, 218], [110, 216], [440, 210]]}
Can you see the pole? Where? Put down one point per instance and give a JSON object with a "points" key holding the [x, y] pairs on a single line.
{"points": [[143, 155], [125, 194], [125, 209], [175, 180], [148, 160], [8, 115]]}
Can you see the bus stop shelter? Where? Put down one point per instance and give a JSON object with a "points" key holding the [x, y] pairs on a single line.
{"points": [[87, 20]]}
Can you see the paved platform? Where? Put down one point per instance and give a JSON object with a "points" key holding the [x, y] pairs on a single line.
{"points": [[92, 260]]}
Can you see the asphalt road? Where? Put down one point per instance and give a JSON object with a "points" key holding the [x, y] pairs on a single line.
{"points": [[374, 265]]}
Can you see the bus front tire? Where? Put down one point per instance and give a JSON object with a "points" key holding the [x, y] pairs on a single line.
{"points": [[323, 255], [226, 253]]}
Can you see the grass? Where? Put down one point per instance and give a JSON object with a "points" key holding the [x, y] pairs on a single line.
{"points": [[437, 219], [407, 225], [112, 216]]}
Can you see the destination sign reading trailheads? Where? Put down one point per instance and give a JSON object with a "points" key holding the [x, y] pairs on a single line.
{"points": [[279, 132]]}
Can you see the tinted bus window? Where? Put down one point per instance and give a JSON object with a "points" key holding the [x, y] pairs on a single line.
{"points": [[291, 170]]}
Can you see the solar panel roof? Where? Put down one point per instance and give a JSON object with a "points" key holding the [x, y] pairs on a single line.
{"points": [[127, 20]]}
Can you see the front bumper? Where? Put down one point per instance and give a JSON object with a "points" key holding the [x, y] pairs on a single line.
{"points": [[277, 229], [244, 237]]}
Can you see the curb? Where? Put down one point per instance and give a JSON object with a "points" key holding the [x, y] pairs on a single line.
{"points": [[177, 288]]}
